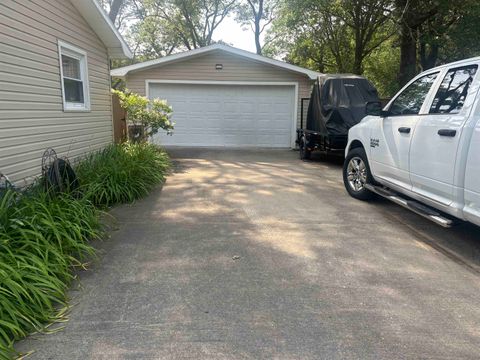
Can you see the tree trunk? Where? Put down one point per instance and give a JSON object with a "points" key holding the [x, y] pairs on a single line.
{"points": [[412, 18], [408, 54], [428, 55], [257, 37], [258, 15], [115, 9], [357, 65]]}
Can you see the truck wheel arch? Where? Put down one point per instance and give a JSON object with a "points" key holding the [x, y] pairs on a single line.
{"points": [[355, 144]]}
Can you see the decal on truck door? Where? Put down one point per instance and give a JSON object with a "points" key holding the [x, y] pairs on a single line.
{"points": [[374, 143]]}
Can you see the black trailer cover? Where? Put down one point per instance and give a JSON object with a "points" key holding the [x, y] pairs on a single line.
{"points": [[338, 102]]}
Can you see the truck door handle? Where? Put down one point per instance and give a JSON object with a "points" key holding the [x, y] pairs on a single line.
{"points": [[404, 130], [447, 132]]}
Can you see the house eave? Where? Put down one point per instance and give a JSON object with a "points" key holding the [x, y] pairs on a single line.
{"points": [[101, 24]]}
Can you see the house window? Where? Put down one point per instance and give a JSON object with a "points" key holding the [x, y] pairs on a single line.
{"points": [[73, 70]]}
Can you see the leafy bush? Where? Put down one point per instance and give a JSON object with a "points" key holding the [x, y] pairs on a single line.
{"points": [[152, 115], [41, 237], [122, 173]]}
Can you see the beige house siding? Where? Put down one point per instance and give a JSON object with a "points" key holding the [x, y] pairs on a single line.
{"points": [[235, 68], [31, 105]]}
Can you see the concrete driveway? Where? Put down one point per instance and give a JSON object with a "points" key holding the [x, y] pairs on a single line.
{"points": [[257, 255]]}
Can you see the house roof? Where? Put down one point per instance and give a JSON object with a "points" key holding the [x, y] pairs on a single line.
{"points": [[104, 28], [123, 71]]}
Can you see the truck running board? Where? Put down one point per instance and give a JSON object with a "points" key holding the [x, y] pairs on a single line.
{"points": [[412, 205]]}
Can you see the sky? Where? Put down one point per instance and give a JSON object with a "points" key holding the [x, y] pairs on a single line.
{"points": [[231, 32]]}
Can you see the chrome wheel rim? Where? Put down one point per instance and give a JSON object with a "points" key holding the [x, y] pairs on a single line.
{"points": [[356, 174]]}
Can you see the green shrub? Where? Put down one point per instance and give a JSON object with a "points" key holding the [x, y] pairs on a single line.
{"points": [[151, 115], [41, 237], [122, 173]]}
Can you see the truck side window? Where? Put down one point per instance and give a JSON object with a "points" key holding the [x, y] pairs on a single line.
{"points": [[410, 101], [453, 90]]}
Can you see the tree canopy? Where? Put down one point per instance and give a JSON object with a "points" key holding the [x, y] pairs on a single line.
{"points": [[388, 41]]}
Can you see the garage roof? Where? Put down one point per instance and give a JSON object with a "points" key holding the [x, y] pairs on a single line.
{"points": [[103, 27], [123, 71]]}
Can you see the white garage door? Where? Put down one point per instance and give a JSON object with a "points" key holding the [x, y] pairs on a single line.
{"points": [[228, 115]]}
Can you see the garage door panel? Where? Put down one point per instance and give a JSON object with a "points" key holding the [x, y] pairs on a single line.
{"points": [[248, 107], [280, 108], [213, 108], [231, 107], [228, 115], [264, 108]]}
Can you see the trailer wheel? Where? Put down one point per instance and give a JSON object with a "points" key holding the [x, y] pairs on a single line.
{"points": [[305, 154], [357, 174]]}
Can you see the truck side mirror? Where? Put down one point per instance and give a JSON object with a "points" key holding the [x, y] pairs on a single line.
{"points": [[374, 108]]}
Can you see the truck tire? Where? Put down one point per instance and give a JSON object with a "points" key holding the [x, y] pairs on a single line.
{"points": [[305, 154], [356, 174]]}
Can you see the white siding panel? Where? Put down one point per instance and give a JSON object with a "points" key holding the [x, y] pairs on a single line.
{"points": [[40, 130], [67, 144], [23, 172], [28, 96], [31, 108], [13, 88], [22, 18], [34, 116]]}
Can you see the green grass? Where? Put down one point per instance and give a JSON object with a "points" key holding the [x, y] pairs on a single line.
{"points": [[122, 173], [43, 237]]}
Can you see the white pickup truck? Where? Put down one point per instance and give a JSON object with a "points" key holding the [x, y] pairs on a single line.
{"points": [[422, 151]]}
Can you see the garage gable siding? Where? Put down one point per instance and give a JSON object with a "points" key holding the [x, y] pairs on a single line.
{"points": [[235, 68], [31, 104]]}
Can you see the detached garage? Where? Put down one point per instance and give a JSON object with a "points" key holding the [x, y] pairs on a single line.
{"points": [[223, 96]]}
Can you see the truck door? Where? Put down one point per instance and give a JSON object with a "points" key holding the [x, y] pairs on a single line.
{"points": [[472, 174], [437, 136], [390, 140]]}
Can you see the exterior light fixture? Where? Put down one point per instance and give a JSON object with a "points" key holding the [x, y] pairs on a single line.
{"points": [[219, 66]]}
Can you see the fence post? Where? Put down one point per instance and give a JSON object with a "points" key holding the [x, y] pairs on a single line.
{"points": [[119, 120]]}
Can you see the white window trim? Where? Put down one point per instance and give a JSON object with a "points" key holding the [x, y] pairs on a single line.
{"points": [[77, 53]]}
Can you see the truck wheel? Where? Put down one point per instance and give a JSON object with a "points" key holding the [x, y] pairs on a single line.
{"points": [[356, 174], [305, 154]]}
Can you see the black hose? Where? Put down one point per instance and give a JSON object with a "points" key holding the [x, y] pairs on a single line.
{"points": [[61, 177]]}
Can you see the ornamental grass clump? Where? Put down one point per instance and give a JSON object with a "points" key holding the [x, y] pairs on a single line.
{"points": [[122, 173], [42, 238]]}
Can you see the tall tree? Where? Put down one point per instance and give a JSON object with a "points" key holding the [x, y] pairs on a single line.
{"points": [[411, 15], [367, 20], [350, 30], [115, 7], [258, 15], [439, 33], [427, 31], [191, 22], [156, 28], [119, 11]]}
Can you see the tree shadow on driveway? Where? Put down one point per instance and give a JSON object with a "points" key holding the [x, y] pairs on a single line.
{"points": [[257, 255]]}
